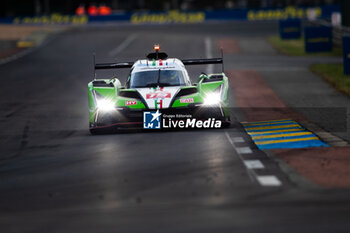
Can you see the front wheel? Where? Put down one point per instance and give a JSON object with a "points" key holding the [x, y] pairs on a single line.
{"points": [[226, 123]]}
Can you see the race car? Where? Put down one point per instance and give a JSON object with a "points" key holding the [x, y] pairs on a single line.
{"points": [[157, 83]]}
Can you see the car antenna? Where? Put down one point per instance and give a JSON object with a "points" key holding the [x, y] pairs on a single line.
{"points": [[94, 60], [222, 58]]}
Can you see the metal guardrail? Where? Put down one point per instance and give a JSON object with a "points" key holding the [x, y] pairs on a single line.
{"points": [[338, 31]]}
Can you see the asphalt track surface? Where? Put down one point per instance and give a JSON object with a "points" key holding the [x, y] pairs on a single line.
{"points": [[56, 177]]}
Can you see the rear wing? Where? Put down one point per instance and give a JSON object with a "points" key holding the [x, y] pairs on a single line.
{"points": [[121, 65], [205, 61]]}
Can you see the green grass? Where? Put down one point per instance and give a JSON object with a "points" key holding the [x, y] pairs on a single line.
{"points": [[297, 48], [334, 74]]}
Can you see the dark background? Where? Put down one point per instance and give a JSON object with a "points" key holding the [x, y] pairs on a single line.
{"points": [[40, 7]]}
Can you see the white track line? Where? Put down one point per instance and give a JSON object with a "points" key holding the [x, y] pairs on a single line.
{"points": [[254, 164], [27, 51], [16, 56], [208, 54], [123, 45], [237, 139], [269, 181], [251, 173], [244, 150], [250, 165]]}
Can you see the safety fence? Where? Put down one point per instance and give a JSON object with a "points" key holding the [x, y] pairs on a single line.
{"points": [[338, 31], [319, 36], [164, 17]]}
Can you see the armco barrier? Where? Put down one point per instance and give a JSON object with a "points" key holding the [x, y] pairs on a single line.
{"points": [[318, 39], [338, 31], [290, 29], [159, 17], [346, 54]]}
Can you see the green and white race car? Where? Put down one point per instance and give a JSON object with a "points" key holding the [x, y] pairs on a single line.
{"points": [[157, 83]]}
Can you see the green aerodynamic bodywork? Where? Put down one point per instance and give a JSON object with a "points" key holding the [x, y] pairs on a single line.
{"points": [[109, 100], [157, 85]]}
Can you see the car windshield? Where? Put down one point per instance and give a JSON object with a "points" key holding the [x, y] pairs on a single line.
{"points": [[155, 78]]}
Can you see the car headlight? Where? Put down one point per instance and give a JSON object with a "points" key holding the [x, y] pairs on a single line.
{"points": [[105, 105], [212, 99]]}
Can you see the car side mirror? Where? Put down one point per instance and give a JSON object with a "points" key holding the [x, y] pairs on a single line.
{"points": [[202, 76]]}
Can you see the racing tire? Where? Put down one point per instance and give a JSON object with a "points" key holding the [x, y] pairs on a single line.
{"points": [[226, 123]]}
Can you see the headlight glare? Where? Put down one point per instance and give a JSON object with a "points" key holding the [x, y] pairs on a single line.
{"points": [[212, 99], [105, 105]]}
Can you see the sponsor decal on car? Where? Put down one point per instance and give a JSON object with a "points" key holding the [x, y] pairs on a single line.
{"points": [[158, 95], [187, 100], [158, 104], [130, 102]]}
